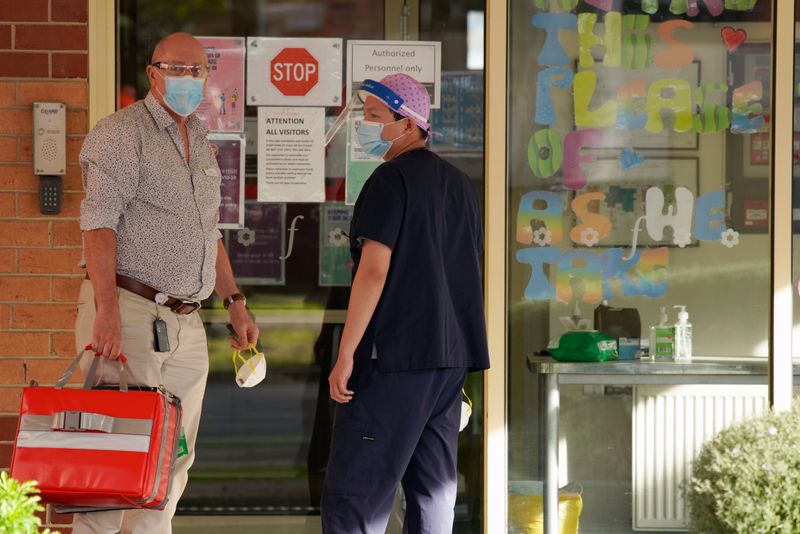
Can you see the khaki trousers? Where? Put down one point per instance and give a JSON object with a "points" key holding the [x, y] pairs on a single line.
{"points": [[182, 371]]}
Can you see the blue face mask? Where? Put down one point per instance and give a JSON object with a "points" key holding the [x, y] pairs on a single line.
{"points": [[369, 137], [183, 94]]}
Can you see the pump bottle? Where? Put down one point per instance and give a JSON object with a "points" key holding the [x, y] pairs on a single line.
{"points": [[683, 336], [661, 338]]}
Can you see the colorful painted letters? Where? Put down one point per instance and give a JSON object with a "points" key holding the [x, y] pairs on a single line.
{"points": [[564, 264]]}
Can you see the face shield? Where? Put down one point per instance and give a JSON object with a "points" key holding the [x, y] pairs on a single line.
{"points": [[382, 93]]}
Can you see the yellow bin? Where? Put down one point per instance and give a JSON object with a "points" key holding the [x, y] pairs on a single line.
{"points": [[527, 513]]}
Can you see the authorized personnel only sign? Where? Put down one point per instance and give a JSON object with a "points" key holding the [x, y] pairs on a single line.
{"points": [[294, 72], [372, 60]]}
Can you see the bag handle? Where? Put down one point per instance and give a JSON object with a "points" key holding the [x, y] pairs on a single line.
{"points": [[91, 375]]}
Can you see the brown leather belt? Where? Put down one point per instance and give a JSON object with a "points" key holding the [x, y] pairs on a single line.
{"points": [[177, 305]]}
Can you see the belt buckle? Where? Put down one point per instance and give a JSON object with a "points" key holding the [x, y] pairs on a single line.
{"points": [[181, 306]]}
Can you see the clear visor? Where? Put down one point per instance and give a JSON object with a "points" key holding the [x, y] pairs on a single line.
{"points": [[379, 91]]}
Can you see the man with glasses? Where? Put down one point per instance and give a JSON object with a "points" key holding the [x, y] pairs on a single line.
{"points": [[153, 252]]}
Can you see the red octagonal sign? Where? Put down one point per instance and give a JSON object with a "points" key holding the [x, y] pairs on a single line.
{"points": [[294, 72]]}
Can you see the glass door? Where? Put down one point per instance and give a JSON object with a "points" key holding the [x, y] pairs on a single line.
{"points": [[264, 451]]}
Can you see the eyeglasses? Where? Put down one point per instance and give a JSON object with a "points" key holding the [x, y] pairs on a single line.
{"points": [[175, 69]]}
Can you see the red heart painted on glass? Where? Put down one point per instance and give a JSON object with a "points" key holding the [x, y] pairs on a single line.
{"points": [[733, 38]]}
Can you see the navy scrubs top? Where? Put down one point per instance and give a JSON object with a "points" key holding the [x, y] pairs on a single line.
{"points": [[430, 314]]}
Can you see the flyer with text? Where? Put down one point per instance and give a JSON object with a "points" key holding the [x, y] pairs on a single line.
{"points": [[222, 109], [229, 150]]}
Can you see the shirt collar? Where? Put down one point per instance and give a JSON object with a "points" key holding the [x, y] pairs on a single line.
{"points": [[159, 114], [164, 120]]}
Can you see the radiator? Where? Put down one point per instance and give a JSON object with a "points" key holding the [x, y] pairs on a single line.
{"points": [[670, 425]]}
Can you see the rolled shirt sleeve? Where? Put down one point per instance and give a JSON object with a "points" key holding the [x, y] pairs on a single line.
{"points": [[379, 211], [109, 162]]}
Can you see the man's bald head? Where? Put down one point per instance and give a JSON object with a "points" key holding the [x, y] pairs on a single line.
{"points": [[179, 47]]}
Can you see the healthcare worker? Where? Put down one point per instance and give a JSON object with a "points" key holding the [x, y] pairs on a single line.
{"points": [[414, 328]]}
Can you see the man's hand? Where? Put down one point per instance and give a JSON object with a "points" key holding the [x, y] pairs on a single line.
{"points": [[245, 328], [339, 377], [107, 333]]}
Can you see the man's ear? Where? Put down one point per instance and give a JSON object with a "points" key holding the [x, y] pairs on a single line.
{"points": [[150, 72]]}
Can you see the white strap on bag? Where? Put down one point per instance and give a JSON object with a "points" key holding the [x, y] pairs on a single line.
{"points": [[92, 374]]}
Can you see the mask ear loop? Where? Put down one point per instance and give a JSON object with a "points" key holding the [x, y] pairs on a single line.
{"points": [[237, 355], [469, 401], [254, 350], [154, 88]]}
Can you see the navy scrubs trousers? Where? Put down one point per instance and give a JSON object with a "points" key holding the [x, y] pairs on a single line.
{"points": [[400, 428]]}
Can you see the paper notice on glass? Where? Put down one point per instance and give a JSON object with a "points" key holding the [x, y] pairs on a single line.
{"points": [[459, 122], [222, 109], [256, 249], [229, 150], [372, 60], [335, 262], [291, 154], [294, 71]]}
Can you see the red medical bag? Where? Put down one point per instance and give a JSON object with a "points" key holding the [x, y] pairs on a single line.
{"points": [[111, 447]]}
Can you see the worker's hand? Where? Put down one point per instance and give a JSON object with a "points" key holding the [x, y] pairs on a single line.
{"points": [[107, 333], [245, 328], [338, 379]]}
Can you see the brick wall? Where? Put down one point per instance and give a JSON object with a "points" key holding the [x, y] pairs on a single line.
{"points": [[43, 57]]}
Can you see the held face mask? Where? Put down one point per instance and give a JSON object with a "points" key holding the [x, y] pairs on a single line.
{"points": [[183, 94], [466, 410], [369, 137], [252, 367]]}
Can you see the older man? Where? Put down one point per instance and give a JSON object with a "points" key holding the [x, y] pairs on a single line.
{"points": [[153, 252]]}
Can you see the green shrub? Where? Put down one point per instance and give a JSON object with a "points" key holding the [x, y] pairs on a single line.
{"points": [[18, 506], [747, 479]]}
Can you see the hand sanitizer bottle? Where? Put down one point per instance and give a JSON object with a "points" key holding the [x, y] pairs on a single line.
{"points": [[662, 338], [683, 336]]}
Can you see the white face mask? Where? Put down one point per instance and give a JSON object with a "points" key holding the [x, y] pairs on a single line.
{"points": [[466, 411], [252, 370]]}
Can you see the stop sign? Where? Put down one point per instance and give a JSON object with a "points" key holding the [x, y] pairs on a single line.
{"points": [[294, 72]]}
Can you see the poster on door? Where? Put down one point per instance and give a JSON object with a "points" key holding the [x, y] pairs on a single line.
{"points": [[372, 60], [255, 251], [294, 71], [229, 151], [222, 109], [459, 121], [335, 262], [291, 154]]}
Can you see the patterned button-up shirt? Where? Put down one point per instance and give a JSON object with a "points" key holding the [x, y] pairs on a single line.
{"points": [[163, 209]]}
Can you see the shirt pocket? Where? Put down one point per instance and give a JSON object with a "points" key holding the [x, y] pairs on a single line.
{"points": [[207, 195]]}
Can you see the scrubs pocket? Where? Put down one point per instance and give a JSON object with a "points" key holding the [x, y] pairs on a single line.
{"points": [[354, 455]]}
